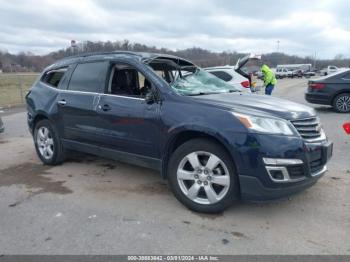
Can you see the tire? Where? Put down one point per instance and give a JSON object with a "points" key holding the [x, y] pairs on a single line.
{"points": [[191, 182], [341, 103], [47, 143]]}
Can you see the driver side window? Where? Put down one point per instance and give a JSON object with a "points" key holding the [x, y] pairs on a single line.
{"points": [[126, 80]]}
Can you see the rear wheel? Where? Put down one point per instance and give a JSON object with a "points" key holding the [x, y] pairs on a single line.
{"points": [[341, 103], [202, 176], [47, 143]]}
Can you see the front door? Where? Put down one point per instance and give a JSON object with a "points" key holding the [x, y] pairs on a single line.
{"points": [[131, 124]]}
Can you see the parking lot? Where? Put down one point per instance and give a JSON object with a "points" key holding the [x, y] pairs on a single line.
{"points": [[96, 206]]}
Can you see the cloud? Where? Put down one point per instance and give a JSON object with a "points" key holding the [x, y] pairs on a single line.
{"points": [[302, 27]]}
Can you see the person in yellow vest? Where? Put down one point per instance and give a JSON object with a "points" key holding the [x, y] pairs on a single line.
{"points": [[269, 79]]}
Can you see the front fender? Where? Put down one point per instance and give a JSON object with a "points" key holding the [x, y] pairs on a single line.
{"points": [[176, 132]]}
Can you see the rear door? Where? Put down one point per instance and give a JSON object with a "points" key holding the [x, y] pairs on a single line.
{"points": [[77, 104]]}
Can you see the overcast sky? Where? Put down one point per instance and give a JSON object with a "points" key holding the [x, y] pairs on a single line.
{"points": [[302, 27]]}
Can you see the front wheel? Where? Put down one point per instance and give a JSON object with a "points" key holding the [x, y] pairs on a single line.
{"points": [[202, 176], [341, 103], [47, 143]]}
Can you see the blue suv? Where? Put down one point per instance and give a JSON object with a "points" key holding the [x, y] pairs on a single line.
{"points": [[211, 142]]}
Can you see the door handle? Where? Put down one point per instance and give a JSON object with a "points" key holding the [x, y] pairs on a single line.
{"points": [[62, 102], [105, 107]]}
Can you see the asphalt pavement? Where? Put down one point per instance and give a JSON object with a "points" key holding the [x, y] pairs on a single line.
{"points": [[90, 205]]}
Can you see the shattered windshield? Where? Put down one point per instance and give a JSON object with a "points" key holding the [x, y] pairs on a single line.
{"points": [[187, 79], [199, 82]]}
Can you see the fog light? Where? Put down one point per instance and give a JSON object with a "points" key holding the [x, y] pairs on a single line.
{"points": [[277, 174]]}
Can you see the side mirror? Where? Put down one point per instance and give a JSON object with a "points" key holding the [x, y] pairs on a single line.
{"points": [[150, 98]]}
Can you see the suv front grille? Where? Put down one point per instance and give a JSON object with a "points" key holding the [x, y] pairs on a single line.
{"points": [[296, 172], [308, 128]]}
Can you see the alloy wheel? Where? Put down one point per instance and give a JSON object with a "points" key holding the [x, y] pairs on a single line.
{"points": [[203, 177], [45, 142], [343, 103]]}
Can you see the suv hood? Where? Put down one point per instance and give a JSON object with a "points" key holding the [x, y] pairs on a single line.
{"points": [[260, 105]]}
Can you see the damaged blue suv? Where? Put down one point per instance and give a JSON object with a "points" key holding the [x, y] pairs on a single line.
{"points": [[211, 142]]}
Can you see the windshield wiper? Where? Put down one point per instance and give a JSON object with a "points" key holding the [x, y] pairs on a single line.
{"points": [[197, 94], [212, 93], [204, 93]]}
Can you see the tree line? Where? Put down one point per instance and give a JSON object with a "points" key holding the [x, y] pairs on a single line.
{"points": [[28, 62]]}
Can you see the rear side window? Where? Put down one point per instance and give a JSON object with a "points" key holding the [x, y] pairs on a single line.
{"points": [[89, 77], [222, 75], [54, 77]]}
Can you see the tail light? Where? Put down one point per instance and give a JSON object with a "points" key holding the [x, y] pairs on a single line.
{"points": [[346, 127], [317, 85], [245, 84]]}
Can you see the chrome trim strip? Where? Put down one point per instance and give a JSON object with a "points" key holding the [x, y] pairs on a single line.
{"points": [[282, 161], [308, 129], [306, 119], [318, 173], [322, 137], [78, 92], [286, 177], [93, 93], [66, 90], [128, 97]]}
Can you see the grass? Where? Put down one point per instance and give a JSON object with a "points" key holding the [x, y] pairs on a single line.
{"points": [[14, 87]]}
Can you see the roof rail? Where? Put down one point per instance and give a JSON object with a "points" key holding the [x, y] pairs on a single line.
{"points": [[99, 53]]}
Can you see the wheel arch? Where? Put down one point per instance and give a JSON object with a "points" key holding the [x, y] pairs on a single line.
{"points": [[183, 136], [38, 117], [340, 92]]}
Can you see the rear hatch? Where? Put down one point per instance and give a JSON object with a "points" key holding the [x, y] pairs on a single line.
{"points": [[243, 62]]}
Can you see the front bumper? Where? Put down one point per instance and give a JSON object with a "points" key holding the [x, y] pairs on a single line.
{"points": [[273, 167], [253, 190]]}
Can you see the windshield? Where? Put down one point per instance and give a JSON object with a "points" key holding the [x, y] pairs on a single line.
{"points": [[199, 82]]}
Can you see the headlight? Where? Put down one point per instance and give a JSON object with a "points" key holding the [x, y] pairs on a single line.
{"points": [[264, 124]]}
